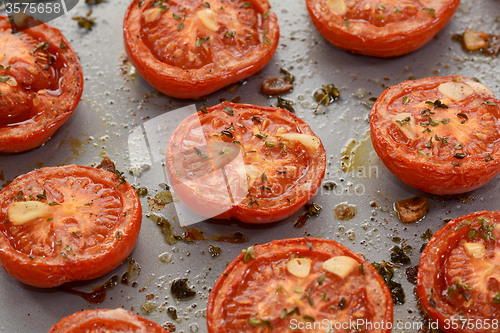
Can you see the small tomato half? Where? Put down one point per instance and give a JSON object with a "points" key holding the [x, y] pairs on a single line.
{"points": [[256, 164], [189, 49], [439, 134], [106, 320], [293, 284], [459, 274], [63, 224], [41, 82], [382, 28]]}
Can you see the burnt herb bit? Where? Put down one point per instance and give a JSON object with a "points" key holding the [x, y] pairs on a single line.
{"points": [[427, 112], [330, 185], [327, 94], [85, 22], [180, 289], [386, 271], [256, 119], [201, 41], [459, 155], [230, 34], [488, 158], [248, 254], [313, 209], [443, 140], [228, 133], [427, 235], [404, 121], [228, 110], [40, 197], [398, 256], [490, 103], [430, 11], [289, 77], [285, 104], [261, 135], [411, 274]]}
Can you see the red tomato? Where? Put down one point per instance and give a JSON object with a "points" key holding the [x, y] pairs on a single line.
{"points": [[260, 289], [256, 164], [440, 134], [41, 82], [70, 223], [189, 49], [459, 274], [382, 28], [104, 321]]}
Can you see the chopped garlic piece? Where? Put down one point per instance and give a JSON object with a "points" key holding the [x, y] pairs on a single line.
{"points": [[340, 266], [338, 6], [23, 212], [299, 267], [475, 250], [406, 123], [456, 91], [310, 141], [209, 19], [151, 14], [12, 82], [480, 88], [474, 40]]}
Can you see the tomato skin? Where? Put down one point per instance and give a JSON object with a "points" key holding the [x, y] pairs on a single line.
{"points": [[393, 39], [197, 82], [438, 174], [107, 241], [212, 205], [232, 284], [436, 267], [106, 320], [49, 112]]}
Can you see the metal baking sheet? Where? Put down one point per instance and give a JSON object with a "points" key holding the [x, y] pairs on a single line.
{"points": [[115, 116]]}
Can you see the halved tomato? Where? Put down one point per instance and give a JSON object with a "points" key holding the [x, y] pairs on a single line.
{"points": [[381, 28], [41, 82], [189, 49], [459, 274], [70, 223], [440, 134], [104, 321], [256, 164], [299, 285]]}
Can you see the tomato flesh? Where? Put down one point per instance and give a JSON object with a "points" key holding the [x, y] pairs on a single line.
{"points": [[269, 177], [262, 290], [422, 134], [382, 13], [90, 224], [456, 283]]}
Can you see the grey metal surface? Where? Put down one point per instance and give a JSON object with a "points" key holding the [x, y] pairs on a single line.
{"points": [[114, 105]]}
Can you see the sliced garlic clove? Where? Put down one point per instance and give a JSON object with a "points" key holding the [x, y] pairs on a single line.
{"points": [[209, 19], [20, 213], [307, 140], [474, 40], [406, 123], [152, 14], [299, 267], [340, 266], [475, 250], [456, 91], [338, 6]]}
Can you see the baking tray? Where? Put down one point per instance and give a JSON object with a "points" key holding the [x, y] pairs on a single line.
{"points": [[113, 116]]}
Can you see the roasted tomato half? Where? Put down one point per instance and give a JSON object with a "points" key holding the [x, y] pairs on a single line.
{"points": [[256, 164], [299, 285], [189, 49], [70, 223], [459, 274], [440, 134], [106, 320], [41, 83], [381, 28]]}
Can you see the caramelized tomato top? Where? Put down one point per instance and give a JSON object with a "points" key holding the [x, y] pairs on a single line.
{"points": [[459, 273], [40, 84], [269, 157], [450, 121], [260, 293]]}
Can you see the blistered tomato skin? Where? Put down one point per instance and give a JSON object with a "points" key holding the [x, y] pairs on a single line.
{"points": [[256, 164], [41, 82], [382, 28], [189, 49], [263, 289], [104, 321], [63, 224], [459, 275], [439, 135]]}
